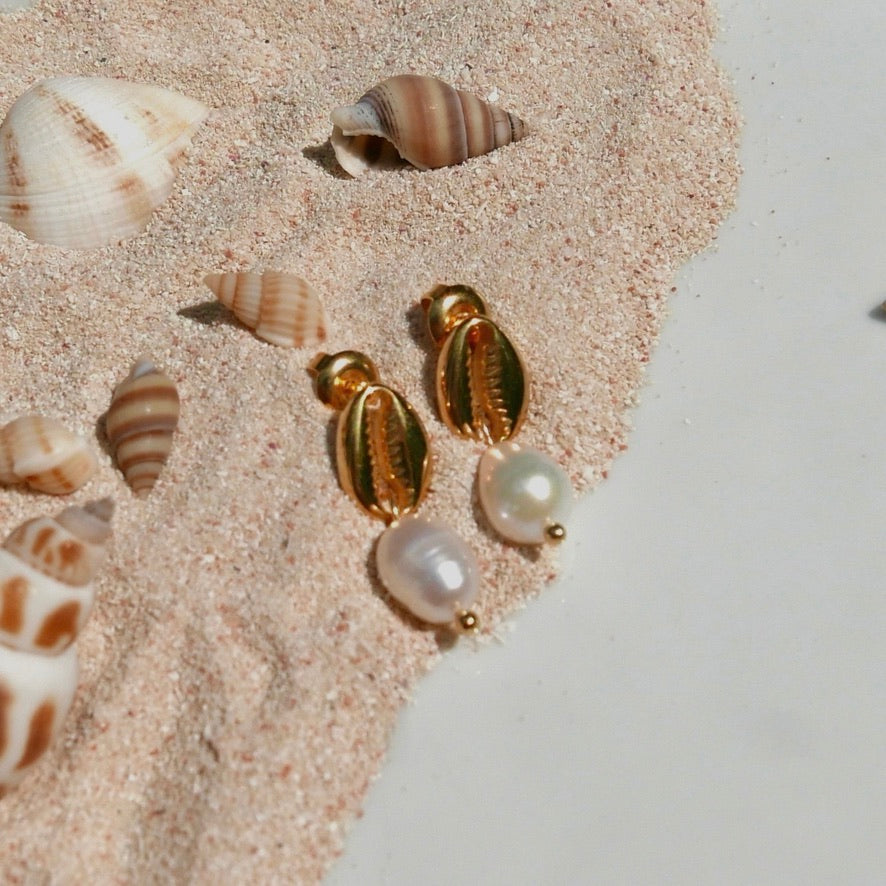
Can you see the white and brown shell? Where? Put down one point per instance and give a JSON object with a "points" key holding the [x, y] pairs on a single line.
{"points": [[281, 308], [425, 121], [141, 420], [47, 568], [85, 161], [43, 453]]}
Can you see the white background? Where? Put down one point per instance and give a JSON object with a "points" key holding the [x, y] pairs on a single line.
{"points": [[701, 699]]}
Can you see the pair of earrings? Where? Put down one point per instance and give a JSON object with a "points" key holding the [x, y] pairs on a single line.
{"points": [[383, 456]]}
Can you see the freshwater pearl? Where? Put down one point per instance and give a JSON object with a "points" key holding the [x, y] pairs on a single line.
{"points": [[428, 569], [524, 493]]}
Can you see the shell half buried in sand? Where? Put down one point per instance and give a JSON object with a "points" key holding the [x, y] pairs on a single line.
{"points": [[85, 161], [422, 120], [141, 420], [281, 308]]}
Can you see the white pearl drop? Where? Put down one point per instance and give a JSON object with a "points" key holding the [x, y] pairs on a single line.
{"points": [[523, 492], [427, 568]]}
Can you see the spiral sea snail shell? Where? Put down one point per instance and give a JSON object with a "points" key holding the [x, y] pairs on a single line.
{"points": [[43, 453], [425, 121], [282, 309], [84, 161], [141, 420], [47, 567]]}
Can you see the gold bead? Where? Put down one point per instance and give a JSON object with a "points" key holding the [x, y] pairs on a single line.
{"points": [[338, 377], [468, 622], [555, 533]]}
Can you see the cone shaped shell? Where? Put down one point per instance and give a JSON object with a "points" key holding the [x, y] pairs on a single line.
{"points": [[36, 692], [140, 423], [428, 123], [84, 161], [43, 453], [47, 568], [282, 309]]}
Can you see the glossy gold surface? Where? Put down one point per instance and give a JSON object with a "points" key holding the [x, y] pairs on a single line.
{"points": [[338, 377], [382, 452], [482, 387]]}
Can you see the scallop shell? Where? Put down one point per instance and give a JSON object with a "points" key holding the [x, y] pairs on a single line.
{"points": [[140, 423], [84, 161], [43, 453], [47, 568], [424, 120], [282, 308]]}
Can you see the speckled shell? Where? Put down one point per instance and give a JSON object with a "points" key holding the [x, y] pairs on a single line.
{"points": [[282, 309], [84, 161], [47, 568], [141, 420], [43, 453], [428, 123]]}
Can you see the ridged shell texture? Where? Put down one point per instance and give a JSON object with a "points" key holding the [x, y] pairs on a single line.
{"points": [[43, 453], [84, 161], [47, 568], [282, 308], [141, 420], [428, 123]]}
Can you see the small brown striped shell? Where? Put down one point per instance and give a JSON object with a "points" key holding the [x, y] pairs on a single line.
{"points": [[141, 420], [282, 309], [85, 161], [423, 120], [47, 569], [43, 453]]}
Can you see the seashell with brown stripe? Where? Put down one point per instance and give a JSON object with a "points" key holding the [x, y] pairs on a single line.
{"points": [[421, 120], [85, 161], [281, 308], [47, 569], [43, 453], [140, 424]]}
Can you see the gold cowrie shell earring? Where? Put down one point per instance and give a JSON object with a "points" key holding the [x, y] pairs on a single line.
{"points": [[384, 463], [483, 394]]}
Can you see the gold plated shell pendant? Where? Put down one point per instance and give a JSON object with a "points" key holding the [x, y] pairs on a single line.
{"points": [[425, 121], [482, 393], [282, 308], [482, 389], [47, 568], [382, 451], [141, 420], [84, 161], [384, 464], [43, 453]]}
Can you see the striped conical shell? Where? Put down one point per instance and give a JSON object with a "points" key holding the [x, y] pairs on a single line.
{"points": [[84, 161], [282, 308], [47, 568], [140, 423], [43, 453], [429, 124]]}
